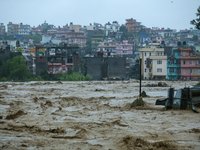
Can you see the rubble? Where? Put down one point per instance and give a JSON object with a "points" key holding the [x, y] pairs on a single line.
{"points": [[159, 84], [138, 102]]}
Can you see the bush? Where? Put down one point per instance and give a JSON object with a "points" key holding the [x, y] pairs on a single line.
{"points": [[198, 84], [74, 76], [88, 77], [39, 78], [3, 79]]}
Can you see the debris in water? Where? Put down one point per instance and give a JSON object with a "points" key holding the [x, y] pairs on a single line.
{"points": [[16, 115], [138, 102]]}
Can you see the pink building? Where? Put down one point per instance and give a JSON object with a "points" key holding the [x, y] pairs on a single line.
{"points": [[190, 64], [55, 68], [124, 48]]}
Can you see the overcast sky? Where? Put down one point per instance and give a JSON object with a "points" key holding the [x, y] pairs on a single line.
{"points": [[174, 14]]}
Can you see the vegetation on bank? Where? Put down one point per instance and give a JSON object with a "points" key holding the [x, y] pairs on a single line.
{"points": [[198, 84], [14, 68]]}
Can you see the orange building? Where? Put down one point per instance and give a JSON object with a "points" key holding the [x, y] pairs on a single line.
{"points": [[132, 25]]}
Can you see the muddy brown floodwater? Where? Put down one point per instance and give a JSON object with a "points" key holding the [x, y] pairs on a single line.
{"points": [[93, 116]]}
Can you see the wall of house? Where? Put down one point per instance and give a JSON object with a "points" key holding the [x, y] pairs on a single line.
{"points": [[162, 66], [93, 67], [117, 67]]}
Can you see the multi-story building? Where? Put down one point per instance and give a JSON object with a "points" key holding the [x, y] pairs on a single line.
{"points": [[2, 29], [95, 41], [164, 32], [12, 29], [111, 28], [75, 28], [174, 65], [37, 30], [24, 29], [133, 26], [66, 35], [190, 63], [154, 62], [124, 48]]}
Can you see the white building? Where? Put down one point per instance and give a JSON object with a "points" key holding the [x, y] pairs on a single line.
{"points": [[24, 29], [114, 27], [154, 62]]}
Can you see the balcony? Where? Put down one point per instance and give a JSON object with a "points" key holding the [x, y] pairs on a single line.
{"points": [[150, 74], [175, 73], [150, 66], [174, 65]]}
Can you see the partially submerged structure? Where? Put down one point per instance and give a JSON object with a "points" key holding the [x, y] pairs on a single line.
{"points": [[57, 59], [113, 68], [181, 98]]}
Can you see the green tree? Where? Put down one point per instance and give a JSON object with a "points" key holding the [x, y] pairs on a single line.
{"points": [[15, 69], [196, 22], [195, 38], [125, 34], [36, 37], [9, 37], [135, 70], [88, 47], [19, 49], [46, 28], [123, 29]]}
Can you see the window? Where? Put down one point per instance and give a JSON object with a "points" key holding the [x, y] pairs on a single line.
{"points": [[159, 61], [119, 47], [198, 71], [184, 53], [191, 71], [145, 70], [198, 62], [130, 52], [158, 54], [145, 54], [190, 62], [171, 62], [159, 69], [129, 47], [171, 70], [149, 70], [184, 62], [119, 52], [57, 68], [124, 52], [136, 23], [184, 71], [64, 68], [149, 54], [161, 54], [50, 68], [145, 62]]}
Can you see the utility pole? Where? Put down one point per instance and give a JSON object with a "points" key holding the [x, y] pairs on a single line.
{"points": [[140, 75]]}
